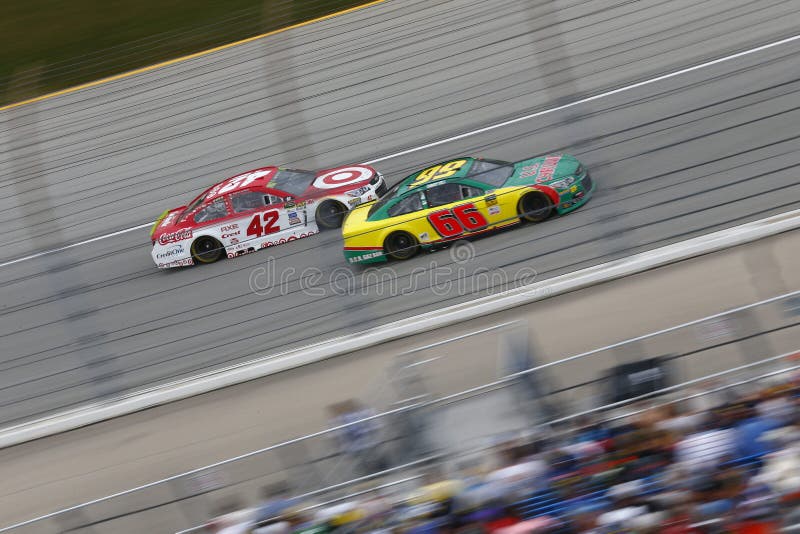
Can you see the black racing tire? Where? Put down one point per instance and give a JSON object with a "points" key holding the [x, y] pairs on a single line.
{"points": [[206, 249], [535, 207], [330, 214], [401, 245]]}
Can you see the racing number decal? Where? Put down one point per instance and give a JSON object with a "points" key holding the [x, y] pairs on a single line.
{"points": [[256, 229], [437, 172], [452, 222], [241, 181], [445, 223]]}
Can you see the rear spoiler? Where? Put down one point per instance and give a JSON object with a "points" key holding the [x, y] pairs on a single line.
{"points": [[158, 221]]}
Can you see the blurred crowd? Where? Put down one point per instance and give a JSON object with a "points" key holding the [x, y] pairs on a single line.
{"points": [[725, 462]]}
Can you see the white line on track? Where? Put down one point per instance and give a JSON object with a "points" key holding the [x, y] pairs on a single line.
{"points": [[589, 99], [478, 131], [73, 245]]}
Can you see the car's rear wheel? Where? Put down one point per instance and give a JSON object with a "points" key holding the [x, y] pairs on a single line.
{"points": [[535, 207], [330, 214], [401, 245], [206, 249]]}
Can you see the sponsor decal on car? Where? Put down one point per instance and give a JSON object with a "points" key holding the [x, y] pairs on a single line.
{"points": [[366, 256], [353, 202], [294, 218], [283, 240], [548, 168], [173, 237], [494, 210], [177, 263], [529, 170], [175, 250], [241, 252], [342, 177], [424, 236], [231, 234], [229, 227], [491, 200]]}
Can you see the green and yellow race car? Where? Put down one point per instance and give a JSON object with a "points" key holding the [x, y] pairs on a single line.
{"points": [[461, 198]]}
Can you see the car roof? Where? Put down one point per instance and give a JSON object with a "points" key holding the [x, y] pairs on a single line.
{"points": [[255, 178], [460, 171]]}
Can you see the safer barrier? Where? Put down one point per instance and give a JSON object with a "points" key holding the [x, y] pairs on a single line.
{"points": [[274, 363]]}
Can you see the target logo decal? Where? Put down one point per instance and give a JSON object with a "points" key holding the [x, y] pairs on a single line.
{"points": [[342, 177]]}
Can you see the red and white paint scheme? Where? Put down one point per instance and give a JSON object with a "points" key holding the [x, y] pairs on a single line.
{"points": [[258, 209]]}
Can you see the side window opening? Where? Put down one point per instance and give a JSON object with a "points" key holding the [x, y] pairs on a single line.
{"points": [[247, 201], [442, 194], [215, 210], [470, 192], [409, 204]]}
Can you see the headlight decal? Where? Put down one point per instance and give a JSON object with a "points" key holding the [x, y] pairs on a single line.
{"points": [[563, 183], [357, 192]]}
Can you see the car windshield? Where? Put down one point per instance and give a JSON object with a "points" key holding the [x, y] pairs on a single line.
{"points": [[491, 172], [292, 181], [192, 206]]}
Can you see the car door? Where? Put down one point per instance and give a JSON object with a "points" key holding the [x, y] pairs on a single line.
{"points": [[296, 211], [261, 220], [456, 210]]}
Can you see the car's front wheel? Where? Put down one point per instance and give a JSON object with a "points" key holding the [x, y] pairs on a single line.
{"points": [[535, 207], [206, 249], [401, 245], [330, 214]]}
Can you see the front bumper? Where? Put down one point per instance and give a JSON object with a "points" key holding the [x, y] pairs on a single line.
{"points": [[577, 196], [374, 193]]}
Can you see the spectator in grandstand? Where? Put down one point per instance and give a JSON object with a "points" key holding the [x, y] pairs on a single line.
{"points": [[750, 428], [522, 472], [273, 503], [231, 518], [705, 448], [734, 469]]}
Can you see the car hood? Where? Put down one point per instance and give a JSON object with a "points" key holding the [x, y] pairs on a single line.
{"points": [[340, 179], [543, 169]]}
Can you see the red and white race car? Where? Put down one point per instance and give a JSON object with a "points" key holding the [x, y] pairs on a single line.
{"points": [[258, 209]]}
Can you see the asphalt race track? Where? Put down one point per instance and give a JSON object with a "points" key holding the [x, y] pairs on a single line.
{"points": [[701, 151]]}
